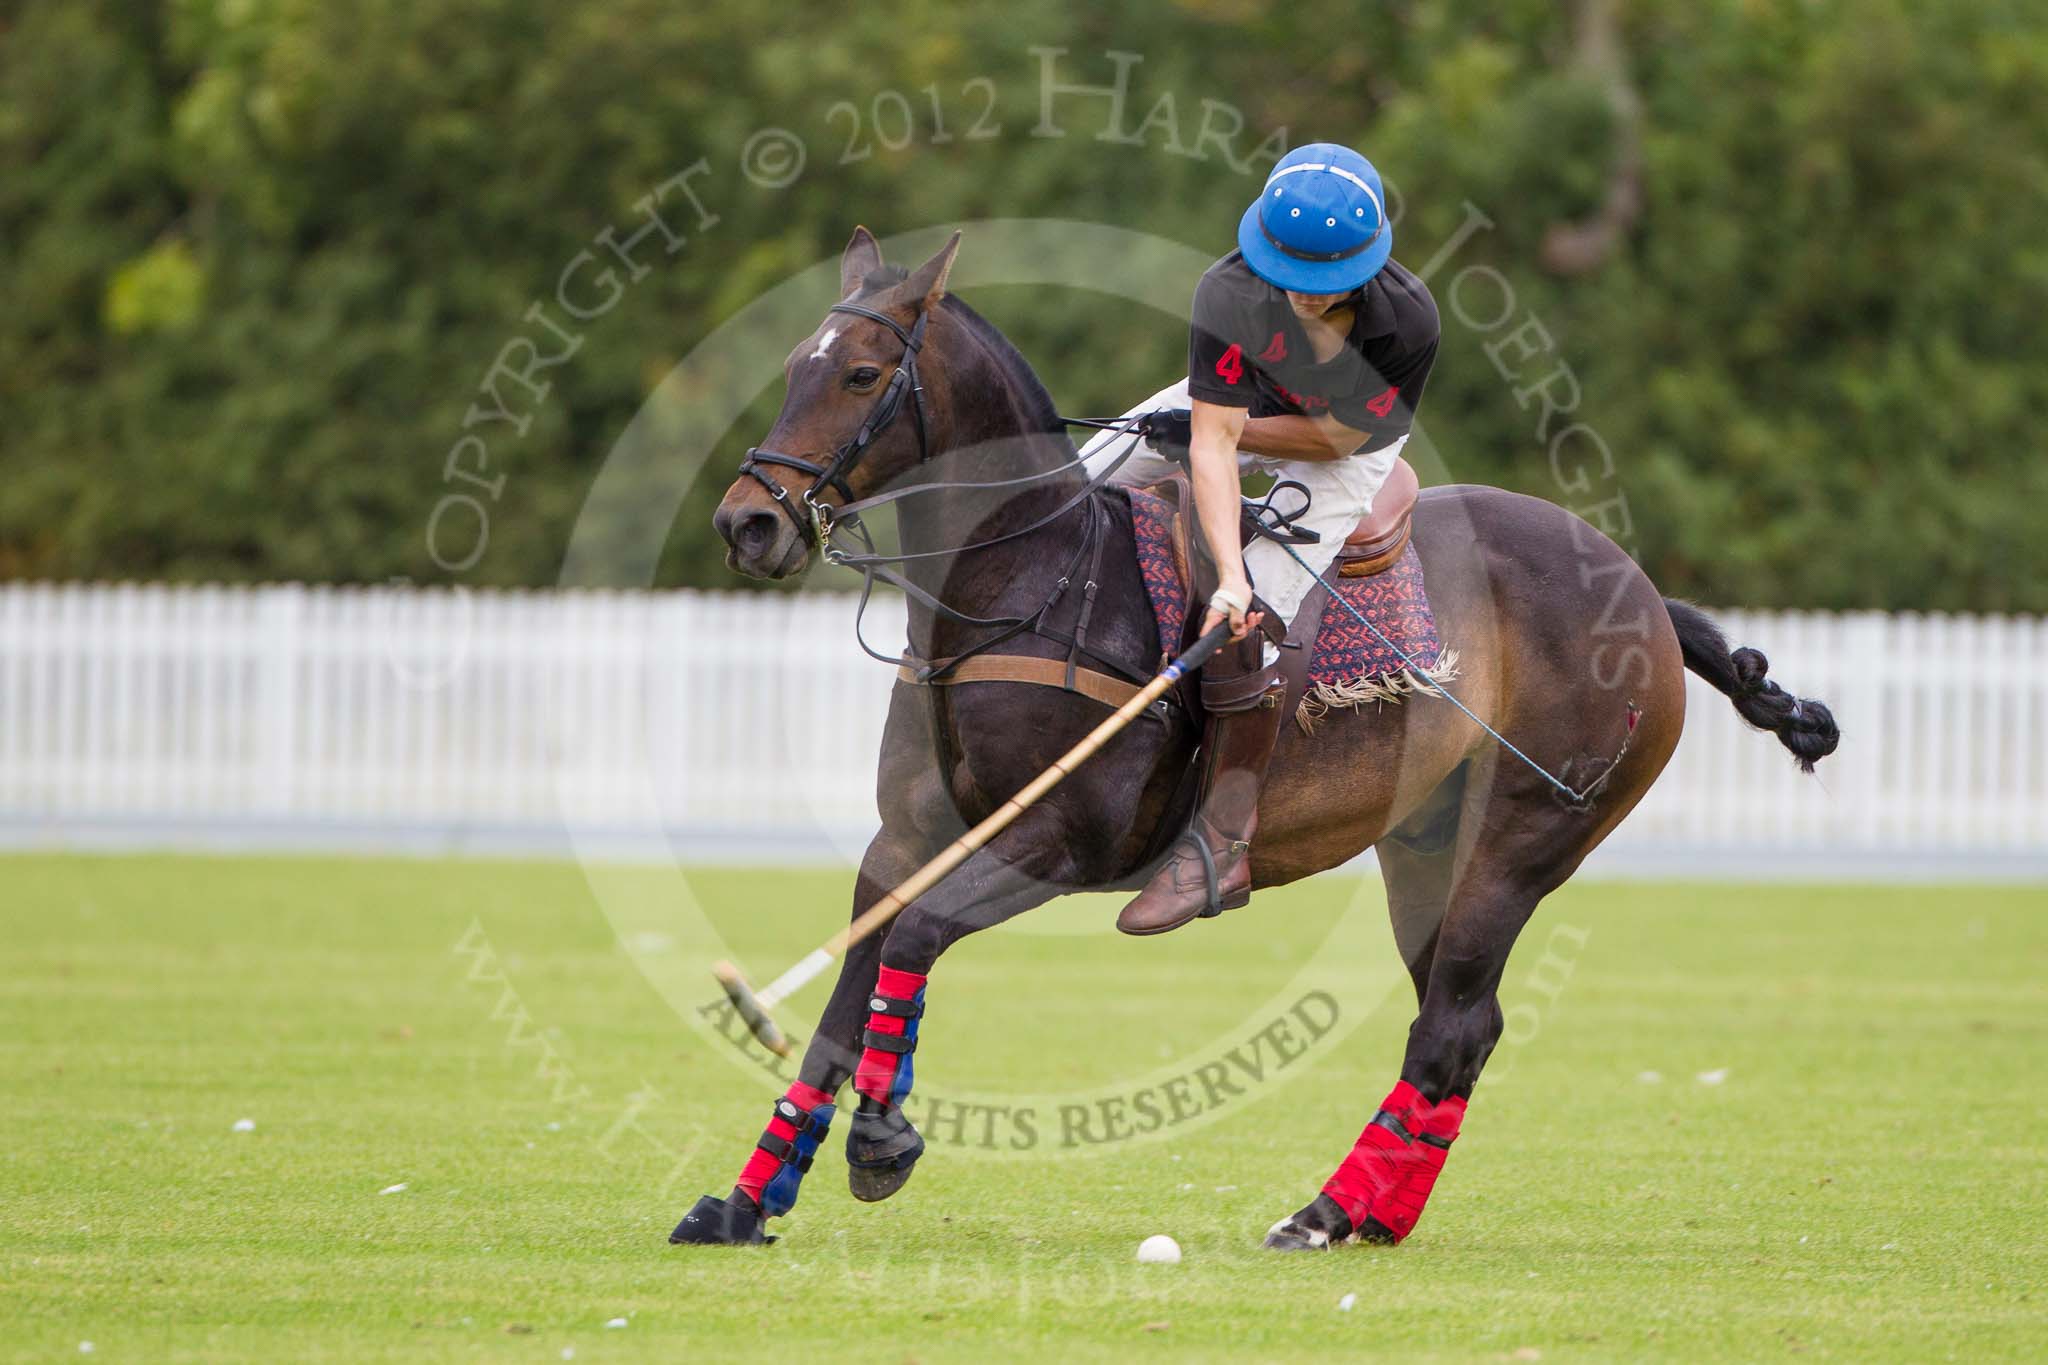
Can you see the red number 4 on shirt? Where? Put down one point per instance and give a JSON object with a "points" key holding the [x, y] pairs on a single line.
{"points": [[1384, 404], [1231, 365]]}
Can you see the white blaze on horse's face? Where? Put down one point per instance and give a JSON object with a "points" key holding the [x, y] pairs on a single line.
{"points": [[825, 340]]}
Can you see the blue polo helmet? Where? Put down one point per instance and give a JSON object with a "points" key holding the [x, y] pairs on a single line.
{"points": [[1320, 224]]}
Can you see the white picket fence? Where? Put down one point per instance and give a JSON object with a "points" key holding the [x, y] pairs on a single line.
{"points": [[741, 726]]}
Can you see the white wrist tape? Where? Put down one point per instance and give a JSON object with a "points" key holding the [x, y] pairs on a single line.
{"points": [[1223, 599]]}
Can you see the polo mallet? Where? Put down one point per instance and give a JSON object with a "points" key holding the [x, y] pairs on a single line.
{"points": [[754, 1007]]}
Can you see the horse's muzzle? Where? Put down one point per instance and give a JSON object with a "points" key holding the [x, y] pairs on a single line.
{"points": [[762, 542]]}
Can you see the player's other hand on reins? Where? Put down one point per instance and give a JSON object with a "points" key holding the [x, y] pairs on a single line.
{"points": [[1170, 431], [1232, 600]]}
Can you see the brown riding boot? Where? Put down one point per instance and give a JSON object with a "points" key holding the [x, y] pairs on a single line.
{"points": [[1243, 699]]}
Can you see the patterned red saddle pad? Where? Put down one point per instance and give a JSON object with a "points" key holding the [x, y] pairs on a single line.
{"points": [[1394, 601]]}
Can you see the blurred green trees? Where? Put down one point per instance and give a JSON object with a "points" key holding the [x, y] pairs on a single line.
{"points": [[256, 256]]}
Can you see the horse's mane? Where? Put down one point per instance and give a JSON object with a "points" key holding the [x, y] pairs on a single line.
{"points": [[1039, 410]]}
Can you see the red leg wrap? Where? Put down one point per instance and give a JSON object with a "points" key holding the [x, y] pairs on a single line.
{"points": [[884, 1075], [761, 1166], [1434, 1126], [1389, 1174]]}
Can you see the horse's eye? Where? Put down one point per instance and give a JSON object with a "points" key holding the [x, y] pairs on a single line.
{"points": [[862, 378]]}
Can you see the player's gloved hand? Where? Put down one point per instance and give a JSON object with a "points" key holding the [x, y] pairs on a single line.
{"points": [[1170, 431]]}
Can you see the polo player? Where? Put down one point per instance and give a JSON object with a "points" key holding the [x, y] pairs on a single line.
{"points": [[1308, 349]]}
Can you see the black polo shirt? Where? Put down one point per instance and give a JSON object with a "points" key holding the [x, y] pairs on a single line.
{"points": [[1247, 349]]}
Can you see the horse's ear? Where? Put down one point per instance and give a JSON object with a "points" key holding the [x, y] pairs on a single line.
{"points": [[863, 254], [928, 281]]}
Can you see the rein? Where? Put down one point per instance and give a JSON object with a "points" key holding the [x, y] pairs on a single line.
{"points": [[872, 565]]}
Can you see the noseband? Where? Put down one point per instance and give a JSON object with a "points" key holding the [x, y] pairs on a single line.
{"points": [[814, 521]]}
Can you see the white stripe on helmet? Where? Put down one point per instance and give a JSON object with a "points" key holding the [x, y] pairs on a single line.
{"points": [[1355, 179]]}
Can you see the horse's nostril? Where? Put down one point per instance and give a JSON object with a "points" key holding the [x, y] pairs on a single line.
{"points": [[745, 528], [755, 532]]}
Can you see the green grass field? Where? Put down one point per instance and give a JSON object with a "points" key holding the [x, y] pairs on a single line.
{"points": [[1866, 1181]]}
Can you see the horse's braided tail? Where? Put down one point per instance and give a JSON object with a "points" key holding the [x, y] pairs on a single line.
{"points": [[1807, 728]]}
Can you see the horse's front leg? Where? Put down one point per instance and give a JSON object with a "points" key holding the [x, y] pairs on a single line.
{"points": [[773, 1172], [1023, 867], [869, 1028]]}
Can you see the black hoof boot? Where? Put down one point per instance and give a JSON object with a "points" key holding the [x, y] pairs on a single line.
{"points": [[1318, 1227], [881, 1150], [716, 1222]]}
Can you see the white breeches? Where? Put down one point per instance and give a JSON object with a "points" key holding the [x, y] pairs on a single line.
{"points": [[1340, 492]]}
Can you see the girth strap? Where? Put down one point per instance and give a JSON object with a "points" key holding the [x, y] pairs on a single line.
{"points": [[1020, 668]]}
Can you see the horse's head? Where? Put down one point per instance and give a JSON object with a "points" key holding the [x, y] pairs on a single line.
{"points": [[857, 413]]}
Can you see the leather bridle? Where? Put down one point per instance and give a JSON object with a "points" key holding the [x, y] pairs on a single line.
{"points": [[814, 522], [817, 522]]}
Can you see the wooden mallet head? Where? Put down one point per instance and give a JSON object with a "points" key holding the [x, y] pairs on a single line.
{"points": [[750, 1008]]}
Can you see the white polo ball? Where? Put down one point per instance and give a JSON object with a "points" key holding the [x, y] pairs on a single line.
{"points": [[1159, 1249]]}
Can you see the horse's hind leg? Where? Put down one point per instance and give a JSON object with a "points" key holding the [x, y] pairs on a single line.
{"points": [[1417, 859], [1526, 845]]}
